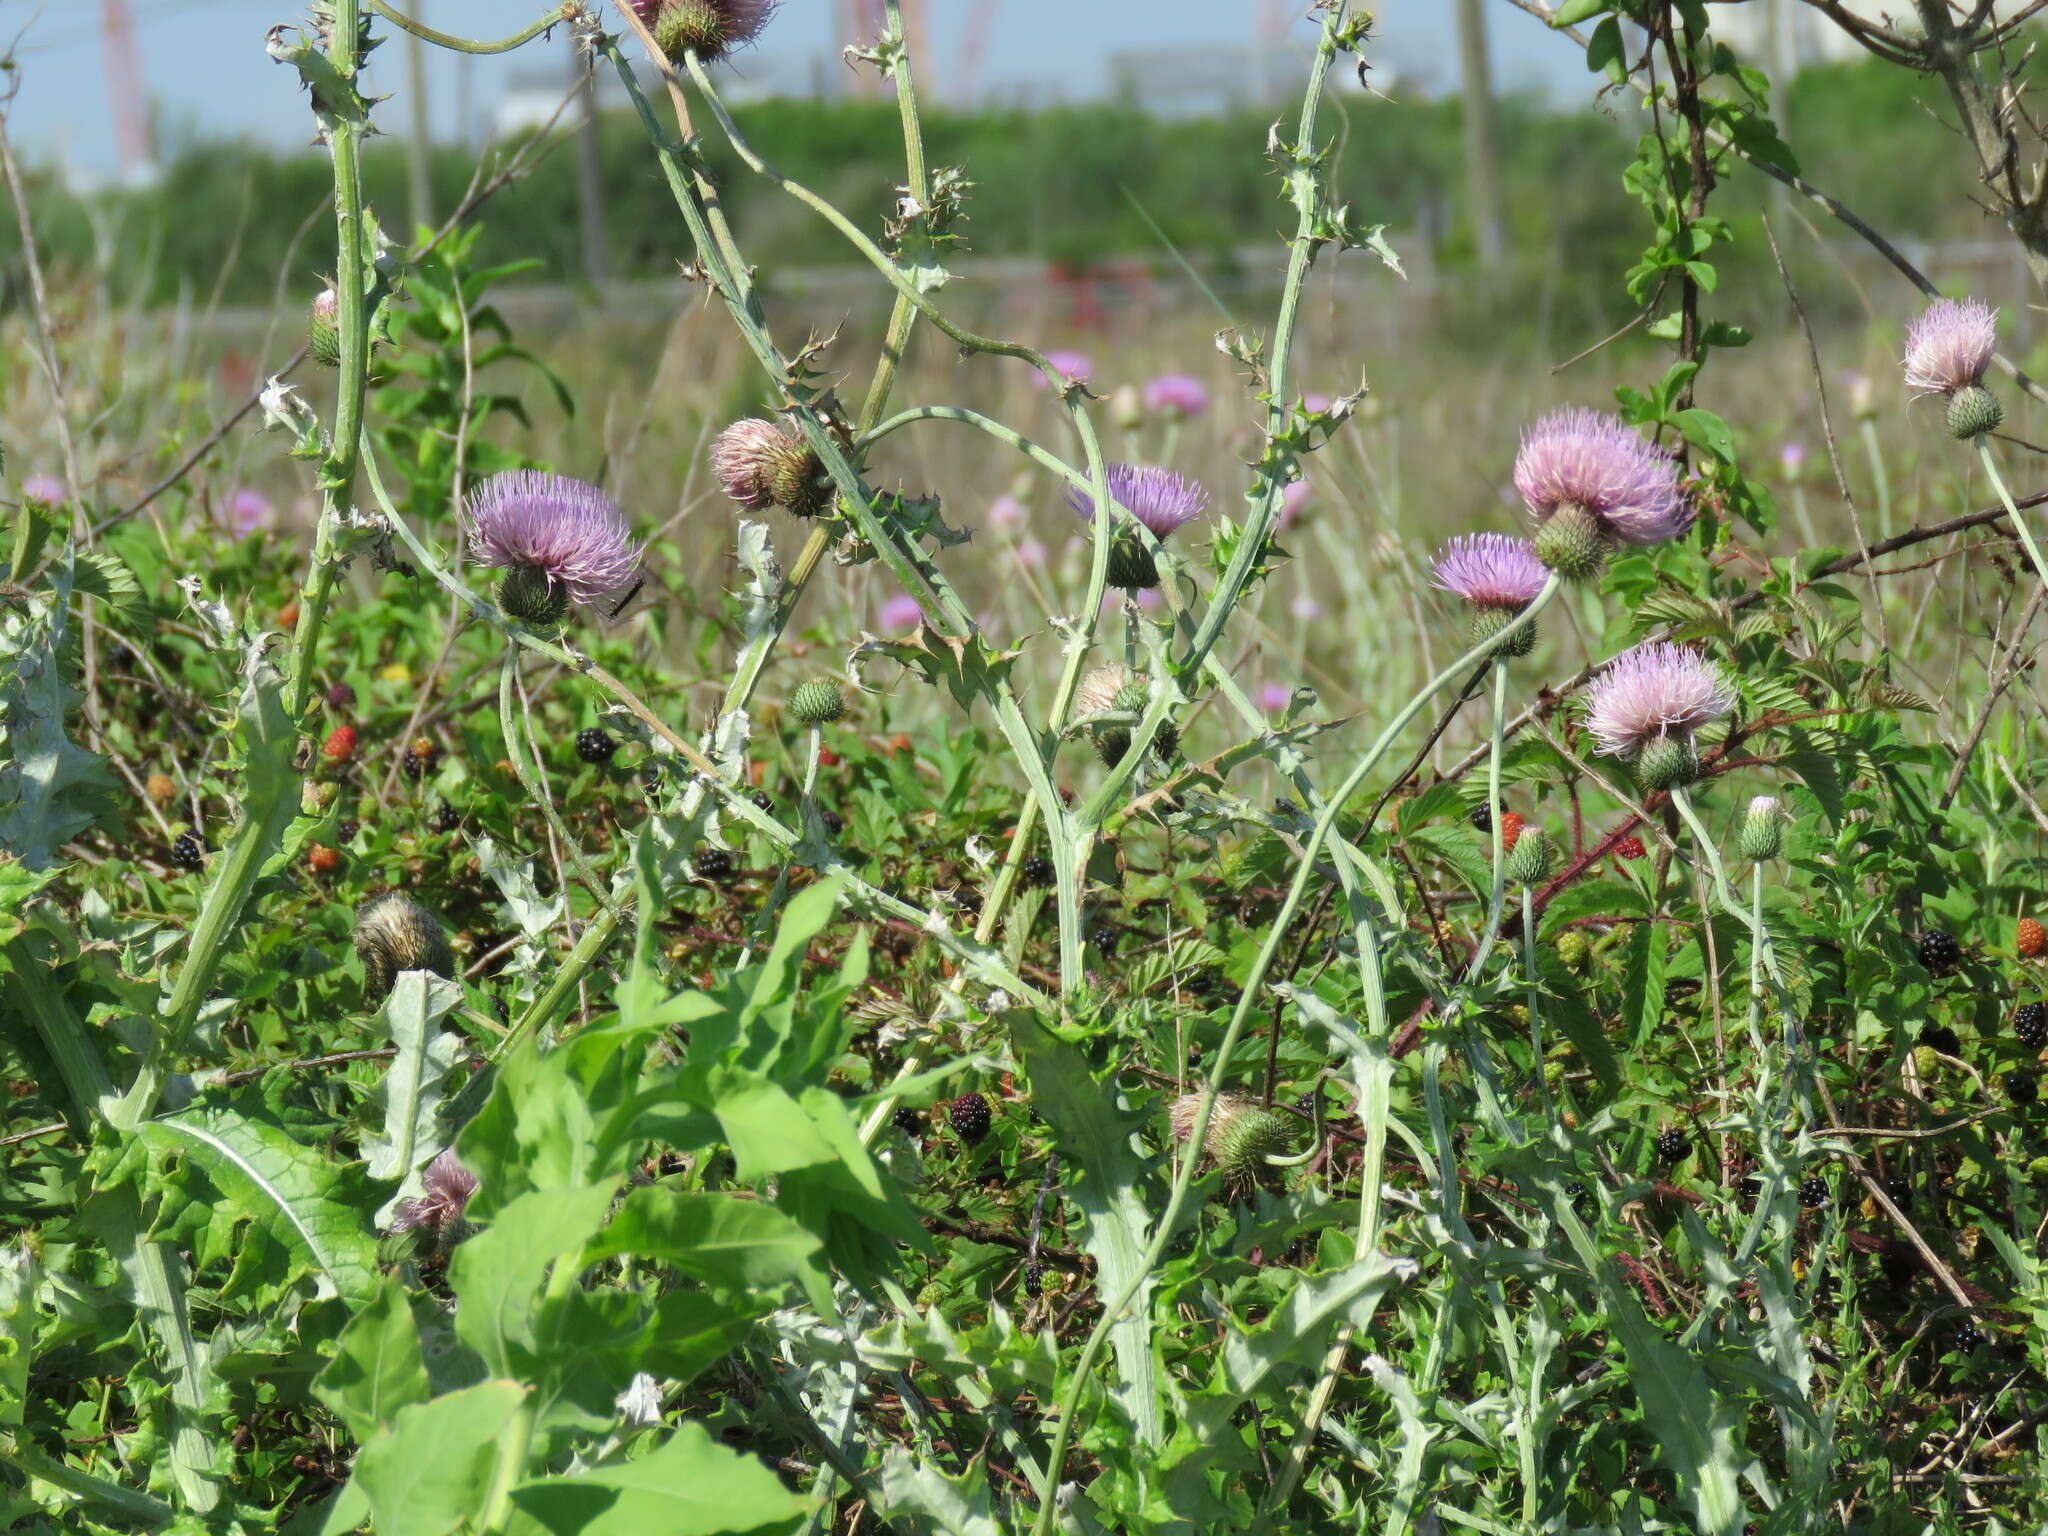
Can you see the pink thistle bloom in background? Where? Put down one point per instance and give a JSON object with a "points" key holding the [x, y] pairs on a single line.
{"points": [[1275, 696], [1792, 459], [1147, 599], [1292, 500], [47, 489], [1950, 345], [445, 1196], [1005, 512], [1030, 552], [1305, 608], [1073, 365], [1158, 498], [1600, 465], [1652, 693], [551, 526], [248, 510], [899, 613], [1177, 394], [1490, 570]]}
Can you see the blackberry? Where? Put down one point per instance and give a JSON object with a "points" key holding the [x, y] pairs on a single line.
{"points": [[1968, 1336], [713, 863], [834, 822], [595, 745], [1672, 1146], [967, 899], [1942, 1039], [342, 696], [763, 801], [420, 758], [445, 818], [2022, 1088], [970, 1117], [910, 1122], [347, 830], [1813, 1192], [1104, 939], [1938, 951], [1034, 1279], [1751, 1188], [651, 775], [1898, 1191], [1036, 870], [2030, 1025], [187, 852], [1481, 817]]}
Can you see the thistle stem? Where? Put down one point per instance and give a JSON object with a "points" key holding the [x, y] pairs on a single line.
{"points": [[2018, 519]]}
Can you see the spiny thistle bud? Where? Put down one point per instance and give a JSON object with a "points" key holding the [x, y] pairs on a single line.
{"points": [[1242, 1134], [817, 702], [709, 28], [323, 336], [533, 597], [1667, 762], [1488, 622], [1534, 857], [1573, 543], [1127, 409], [395, 933], [1972, 411], [762, 465], [1762, 834], [1117, 687]]}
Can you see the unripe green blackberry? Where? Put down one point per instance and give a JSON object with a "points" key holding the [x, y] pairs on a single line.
{"points": [[595, 745], [1489, 620], [1574, 948], [323, 335], [395, 933], [817, 702], [1242, 1134], [1533, 858], [533, 597], [1972, 411], [970, 1117], [1573, 542], [1667, 762], [2030, 1025], [187, 852]]}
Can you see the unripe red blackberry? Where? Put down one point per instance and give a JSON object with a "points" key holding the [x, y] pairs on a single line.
{"points": [[1630, 848], [420, 758], [1510, 831], [2030, 939], [1036, 870], [1672, 1145], [1938, 951], [1813, 1192], [2030, 1025], [323, 860], [187, 852], [595, 745], [340, 745], [970, 1117], [341, 696], [713, 863]]}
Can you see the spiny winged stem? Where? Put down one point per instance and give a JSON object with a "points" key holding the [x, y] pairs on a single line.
{"points": [[1304, 873], [2019, 521]]}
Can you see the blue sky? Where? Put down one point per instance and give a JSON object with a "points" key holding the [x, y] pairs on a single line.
{"points": [[205, 69]]}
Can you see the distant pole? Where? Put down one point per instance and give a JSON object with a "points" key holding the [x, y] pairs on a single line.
{"points": [[419, 153], [589, 169], [125, 95], [1482, 178]]}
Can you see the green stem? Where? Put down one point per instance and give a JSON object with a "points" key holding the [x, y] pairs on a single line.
{"points": [[2019, 521], [508, 1469], [1534, 992], [456, 44], [1497, 899], [1304, 872], [903, 316]]}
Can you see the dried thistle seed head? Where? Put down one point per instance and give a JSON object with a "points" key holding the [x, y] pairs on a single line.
{"points": [[1104, 688], [1242, 1134], [395, 933]]}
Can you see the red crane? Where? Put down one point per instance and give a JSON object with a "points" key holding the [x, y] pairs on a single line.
{"points": [[125, 100]]}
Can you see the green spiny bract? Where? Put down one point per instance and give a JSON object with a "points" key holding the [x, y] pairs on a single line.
{"points": [[1241, 1135], [1532, 859], [1972, 411], [1668, 762], [817, 702], [1574, 543]]}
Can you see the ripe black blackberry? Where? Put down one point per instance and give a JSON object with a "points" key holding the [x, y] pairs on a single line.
{"points": [[1103, 937], [713, 863], [834, 822], [763, 801], [971, 1117], [650, 775], [909, 1121], [1939, 951], [1942, 1039], [595, 745], [2030, 1025], [2022, 1088], [1813, 1192], [1672, 1146], [187, 852], [445, 818], [1034, 1279], [1036, 870], [967, 899], [1751, 1188], [1898, 1191], [1481, 817], [1968, 1336], [347, 830]]}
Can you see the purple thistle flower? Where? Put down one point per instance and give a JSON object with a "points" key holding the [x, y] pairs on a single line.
{"points": [[712, 27], [1070, 364], [1950, 345], [1275, 696], [1158, 498], [1651, 693], [1178, 394], [900, 612], [1292, 500], [446, 1189], [47, 489], [1600, 465], [1005, 512], [738, 455], [1490, 570], [248, 510], [1030, 553], [1792, 458], [567, 531]]}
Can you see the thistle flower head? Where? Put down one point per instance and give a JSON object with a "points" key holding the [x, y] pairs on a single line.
{"points": [[1654, 693], [711, 28], [1106, 688], [564, 536], [1490, 570], [1179, 394], [899, 613], [1582, 461], [46, 489], [1158, 498], [1071, 365], [1242, 1133], [1292, 500], [1761, 836], [248, 510], [761, 465], [394, 933], [437, 1209], [1950, 345]]}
